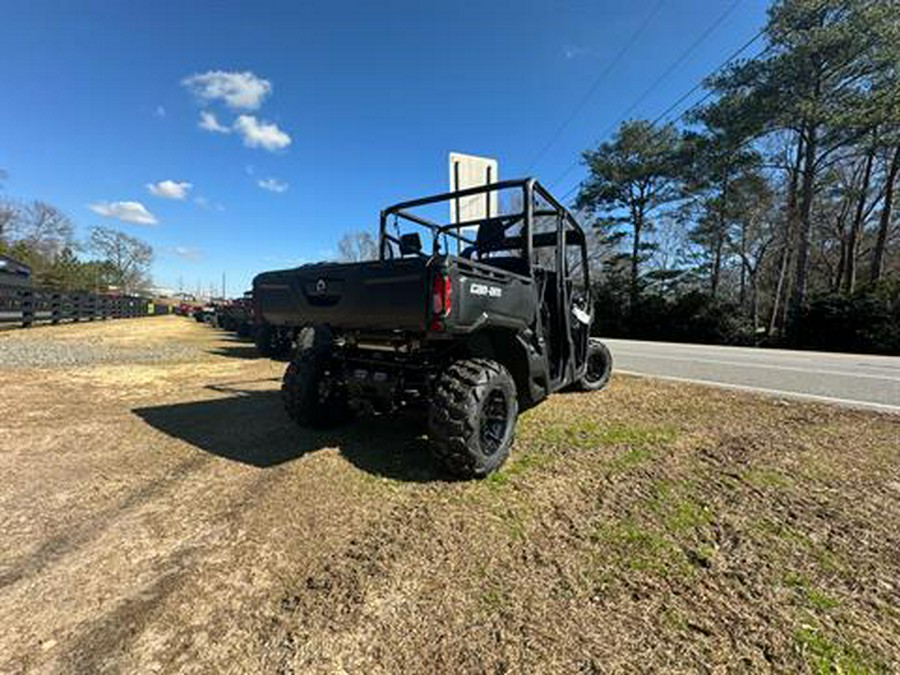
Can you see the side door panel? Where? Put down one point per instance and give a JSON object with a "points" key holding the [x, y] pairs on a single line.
{"points": [[501, 300]]}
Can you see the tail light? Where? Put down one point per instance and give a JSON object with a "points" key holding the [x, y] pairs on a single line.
{"points": [[440, 300]]}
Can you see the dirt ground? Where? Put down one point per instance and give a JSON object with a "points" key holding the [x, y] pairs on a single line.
{"points": [[163, 515]]}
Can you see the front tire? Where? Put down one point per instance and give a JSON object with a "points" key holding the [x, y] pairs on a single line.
{"points": [[472, 417], [599, 367]]}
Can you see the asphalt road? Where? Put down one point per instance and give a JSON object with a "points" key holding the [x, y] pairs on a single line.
{"points": [[854, 380]]}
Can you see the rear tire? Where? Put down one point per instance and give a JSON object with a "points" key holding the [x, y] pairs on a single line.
{"points": [[599, 366], [311, 394], [272, 343], [472, 417], [263, 339]]}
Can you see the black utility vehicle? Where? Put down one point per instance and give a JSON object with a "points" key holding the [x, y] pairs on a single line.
{"points": [[237, 315], [488, 321]]}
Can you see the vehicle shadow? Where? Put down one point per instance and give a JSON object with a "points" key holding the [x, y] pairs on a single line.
{"points": [[251, 427], [237, 351], [229, 336], [237, 347]]}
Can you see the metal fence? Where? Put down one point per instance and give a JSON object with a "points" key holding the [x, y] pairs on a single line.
{"points": [[27, 306]]}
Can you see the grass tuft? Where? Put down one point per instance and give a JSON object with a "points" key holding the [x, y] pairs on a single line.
{"points": [[518, 465], [815, 598], [766, 478], [493, 599], [637, 547], [678, 508], [587, 434], [826, 656]]}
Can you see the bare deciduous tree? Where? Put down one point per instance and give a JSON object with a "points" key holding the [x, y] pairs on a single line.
{"points": [[42, 227], [128, 258], [8, 213]]}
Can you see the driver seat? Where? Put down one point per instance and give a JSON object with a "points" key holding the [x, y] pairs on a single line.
{"points": [[491, 237]]}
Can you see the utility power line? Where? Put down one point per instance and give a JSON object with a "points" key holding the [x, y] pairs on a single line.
{"points": [[731, 57], [699, 85], [595, 85], [659, 80]]}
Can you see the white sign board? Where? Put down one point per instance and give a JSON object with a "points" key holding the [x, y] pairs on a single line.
{"points": [[468, 171]]}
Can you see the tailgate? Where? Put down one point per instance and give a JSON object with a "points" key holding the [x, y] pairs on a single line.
{"points": [[378, 295]]}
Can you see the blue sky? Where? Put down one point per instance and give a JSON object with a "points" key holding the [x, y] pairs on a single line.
{"points": [[339, 108]]}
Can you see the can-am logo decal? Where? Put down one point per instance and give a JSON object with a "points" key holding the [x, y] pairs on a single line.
{"points": [[321, 286], [484, 289]]}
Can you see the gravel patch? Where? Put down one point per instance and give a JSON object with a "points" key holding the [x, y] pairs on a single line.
{"points": [[43, 353]]}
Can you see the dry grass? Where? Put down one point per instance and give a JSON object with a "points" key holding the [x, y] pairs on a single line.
{"points": [[168, 517]]}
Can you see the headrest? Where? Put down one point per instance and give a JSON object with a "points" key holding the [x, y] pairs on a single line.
{"points": [[489, 232]]}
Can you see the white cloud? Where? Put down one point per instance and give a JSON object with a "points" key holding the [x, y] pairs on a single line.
{"points": [[207, 205], [160, 111], [574, 51], [187, 253], [272, 184], [208, 122], [128, 212], [239, 91], [261, 134], [169, 189]]}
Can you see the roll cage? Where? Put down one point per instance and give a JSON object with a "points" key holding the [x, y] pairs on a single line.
{"points": [[532, 222]]}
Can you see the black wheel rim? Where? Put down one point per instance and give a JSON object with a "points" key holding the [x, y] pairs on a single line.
{"points": [[494, 418], [325, 388], [596, 366]]}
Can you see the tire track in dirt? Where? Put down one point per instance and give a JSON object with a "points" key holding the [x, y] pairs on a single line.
{"points": [[157, 627], [99, 645], [331, 599], [105, 536], [55, 548], [58, 572], [353, 613], [326, 621]]}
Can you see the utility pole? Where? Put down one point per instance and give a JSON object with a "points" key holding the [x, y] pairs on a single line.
{"points": [[223, 285]]}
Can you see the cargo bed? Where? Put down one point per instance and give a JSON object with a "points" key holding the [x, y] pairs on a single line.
{"points": [[380, 295]]}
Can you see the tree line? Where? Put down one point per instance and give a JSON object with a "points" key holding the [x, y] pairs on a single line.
{"points": [[42, 236], [768, 215]]}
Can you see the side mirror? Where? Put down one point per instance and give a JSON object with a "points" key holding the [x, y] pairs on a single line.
{"points": [[410, 244]]}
